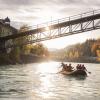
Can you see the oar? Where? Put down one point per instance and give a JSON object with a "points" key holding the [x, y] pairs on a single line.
{"points": [[60, 67], [59, 71], [88, 72]]}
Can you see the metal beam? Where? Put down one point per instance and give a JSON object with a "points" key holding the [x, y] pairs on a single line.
{"points": [[73, 20], [59, 28]]}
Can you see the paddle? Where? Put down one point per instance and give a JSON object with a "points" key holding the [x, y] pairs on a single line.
{"points": [[88, 71], [59, 66]]}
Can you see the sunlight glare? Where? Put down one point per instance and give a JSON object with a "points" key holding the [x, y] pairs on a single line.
{"points": [[46, 71], [47, 28], [63, 42], [49, 67]]}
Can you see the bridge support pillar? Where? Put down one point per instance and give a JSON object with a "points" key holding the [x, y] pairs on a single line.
{"points": [[2, 47]]}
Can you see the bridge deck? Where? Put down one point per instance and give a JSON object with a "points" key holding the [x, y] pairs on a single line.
{"points": [[85, 17]]}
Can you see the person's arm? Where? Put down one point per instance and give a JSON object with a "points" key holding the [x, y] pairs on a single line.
{"points": [[85, 69]]}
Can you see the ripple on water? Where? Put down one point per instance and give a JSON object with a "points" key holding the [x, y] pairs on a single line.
{"points": [[40, 81]]}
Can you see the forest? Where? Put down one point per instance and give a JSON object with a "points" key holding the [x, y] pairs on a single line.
{"points": [[27, 53], [89, 51]]}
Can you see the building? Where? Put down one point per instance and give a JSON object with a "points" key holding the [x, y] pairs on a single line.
{"points": [[5, 28]]}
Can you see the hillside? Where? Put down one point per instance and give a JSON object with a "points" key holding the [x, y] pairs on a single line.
{"points": [[89, 51]]}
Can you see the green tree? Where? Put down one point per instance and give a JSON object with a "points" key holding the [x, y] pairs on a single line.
{"points": [[20, 49], [22, 41], [15, 54], [39, 49]]}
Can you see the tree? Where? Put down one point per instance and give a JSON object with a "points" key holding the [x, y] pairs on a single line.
{"points": [[20, 49], [39, 50], [24, 49], [15, 54]]}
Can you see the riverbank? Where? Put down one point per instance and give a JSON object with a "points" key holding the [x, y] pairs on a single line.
{"points": [[5, 59], [80, 60]]}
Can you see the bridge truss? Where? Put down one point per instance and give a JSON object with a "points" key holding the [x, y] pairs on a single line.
{"points": [[58, 28]]}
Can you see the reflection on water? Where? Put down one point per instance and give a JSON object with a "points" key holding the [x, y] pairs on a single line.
{"points": [[40, 81], [46, 70]]}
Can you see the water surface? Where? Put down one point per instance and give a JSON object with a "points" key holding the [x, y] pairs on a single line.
{"points": [[40, 81]]}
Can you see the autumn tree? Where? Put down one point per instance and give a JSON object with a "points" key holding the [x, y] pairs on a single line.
{"points": [[39, 49], [20, 48]]}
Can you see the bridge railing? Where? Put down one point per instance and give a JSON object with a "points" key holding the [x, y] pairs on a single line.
{"points": [[97, 11], [91, 21], [74, 17]]}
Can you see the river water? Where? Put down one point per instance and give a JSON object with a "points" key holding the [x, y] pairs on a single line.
{"points": [[40, 81]]}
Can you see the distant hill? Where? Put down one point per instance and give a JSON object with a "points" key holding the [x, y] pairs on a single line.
{"points": [[53, 49], [89, 49]]}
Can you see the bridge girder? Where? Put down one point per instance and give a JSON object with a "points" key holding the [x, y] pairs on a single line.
{"points": [[55, 29]]}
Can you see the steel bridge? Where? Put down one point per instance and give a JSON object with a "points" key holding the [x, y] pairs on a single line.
{"points": [[58, 28]]}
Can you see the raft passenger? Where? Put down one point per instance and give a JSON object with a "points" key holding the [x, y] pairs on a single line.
{"points": [[64, 67], [84, 68], [70, 67], [77, 67]]}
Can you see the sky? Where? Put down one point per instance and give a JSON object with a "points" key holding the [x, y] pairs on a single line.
{"points": [[34, 12]]}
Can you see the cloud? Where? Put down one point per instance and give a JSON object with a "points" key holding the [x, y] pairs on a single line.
{"points": [[26, 2], [32, 10], [16, 2]]}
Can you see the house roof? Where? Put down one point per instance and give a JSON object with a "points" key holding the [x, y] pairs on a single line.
{"points": [[2, 23], [6, 19]]}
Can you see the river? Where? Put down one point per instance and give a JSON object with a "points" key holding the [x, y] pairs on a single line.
{"points": [[40, 81]]}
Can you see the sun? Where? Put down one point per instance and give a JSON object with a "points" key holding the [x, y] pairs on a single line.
{"points": [[47, 28]]}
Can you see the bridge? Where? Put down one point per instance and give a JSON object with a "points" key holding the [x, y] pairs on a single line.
{"points": [[58, 28]]}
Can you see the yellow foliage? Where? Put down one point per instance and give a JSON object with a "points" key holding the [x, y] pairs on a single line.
{"points": [[98, 53]]}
